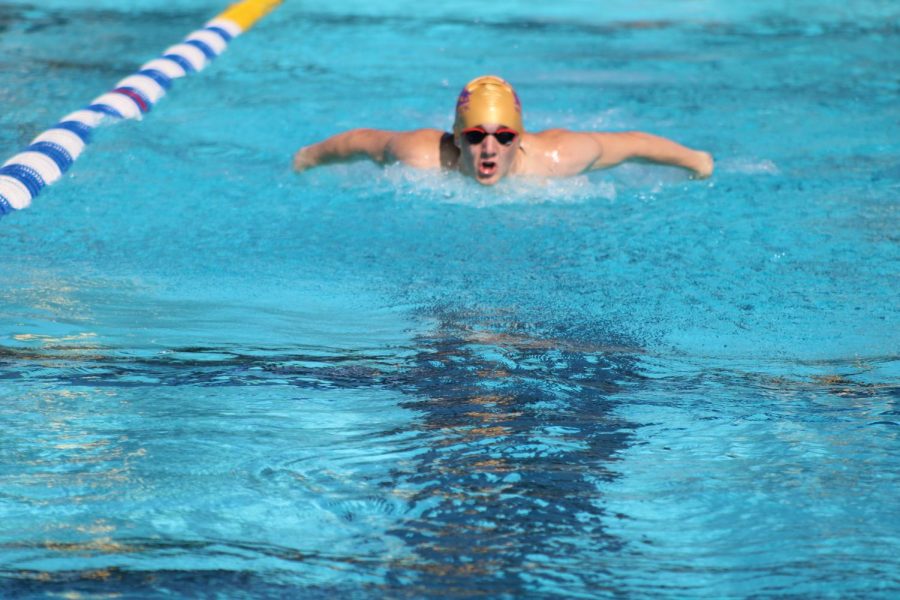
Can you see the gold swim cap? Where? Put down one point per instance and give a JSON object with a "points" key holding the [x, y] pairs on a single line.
{"points": [[488, 100]]}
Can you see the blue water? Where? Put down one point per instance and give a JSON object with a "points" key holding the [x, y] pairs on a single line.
{"points": [[222, 379]]}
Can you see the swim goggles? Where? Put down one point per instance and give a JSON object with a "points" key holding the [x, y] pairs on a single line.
{"points": [[476, 135]]}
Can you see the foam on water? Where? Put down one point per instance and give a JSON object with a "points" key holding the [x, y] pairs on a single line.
{"points": [[438, 187], [748, 166], [453, 188]]}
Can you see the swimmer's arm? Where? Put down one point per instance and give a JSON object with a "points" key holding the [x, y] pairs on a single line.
{"points": [[421, 148], [615, 148], [346, 146]]}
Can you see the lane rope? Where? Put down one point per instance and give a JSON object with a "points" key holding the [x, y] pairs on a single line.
{"points": [[52, 153]]}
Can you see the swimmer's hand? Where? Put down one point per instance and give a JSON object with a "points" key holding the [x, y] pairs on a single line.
{"points": [[305, 159], [703, 165]]}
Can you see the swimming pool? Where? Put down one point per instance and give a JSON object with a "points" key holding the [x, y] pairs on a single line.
{"points": [[219, 377]]}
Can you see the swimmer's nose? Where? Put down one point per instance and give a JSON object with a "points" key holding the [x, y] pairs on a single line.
{"points": [[489, 146]]}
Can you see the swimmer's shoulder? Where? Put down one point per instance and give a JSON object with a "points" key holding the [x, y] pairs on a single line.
{"points": [[420, 148], [559, 152], [553, 138], [549, 140]]}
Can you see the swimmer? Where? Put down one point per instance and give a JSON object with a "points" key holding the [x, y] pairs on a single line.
{"points": [[489, 142]]}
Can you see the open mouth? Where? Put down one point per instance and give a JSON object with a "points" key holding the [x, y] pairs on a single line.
{"points": [[486, 168]]}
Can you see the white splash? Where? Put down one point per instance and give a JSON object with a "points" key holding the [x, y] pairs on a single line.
{"points": [[748, 166], [453, 188]]}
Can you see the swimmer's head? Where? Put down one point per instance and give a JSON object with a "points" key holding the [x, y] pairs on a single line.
{"points": [[488, 129], [487, 100]]}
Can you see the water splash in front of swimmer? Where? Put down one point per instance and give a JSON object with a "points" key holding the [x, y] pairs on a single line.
{"points": [[431, 186]]}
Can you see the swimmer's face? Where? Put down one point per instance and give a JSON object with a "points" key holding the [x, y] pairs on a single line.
{"points": [[488, 152]]}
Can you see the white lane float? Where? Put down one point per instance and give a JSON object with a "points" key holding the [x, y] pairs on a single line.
{"points": [[50, 154]]}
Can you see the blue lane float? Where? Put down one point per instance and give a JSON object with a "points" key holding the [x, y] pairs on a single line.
{"points": [[52, 153]]}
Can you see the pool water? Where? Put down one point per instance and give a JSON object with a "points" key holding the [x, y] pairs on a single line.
{"points": [[219, 378]]}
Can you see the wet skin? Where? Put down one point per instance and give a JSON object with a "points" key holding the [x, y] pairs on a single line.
{"points": [[550, 153]]}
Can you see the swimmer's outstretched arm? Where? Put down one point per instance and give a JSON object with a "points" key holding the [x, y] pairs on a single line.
{"points": [[346, 146], [575, 152], [616, 148], [420, 148]]}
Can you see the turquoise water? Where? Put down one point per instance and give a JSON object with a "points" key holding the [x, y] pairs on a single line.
{"points": [[220, 378]]}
